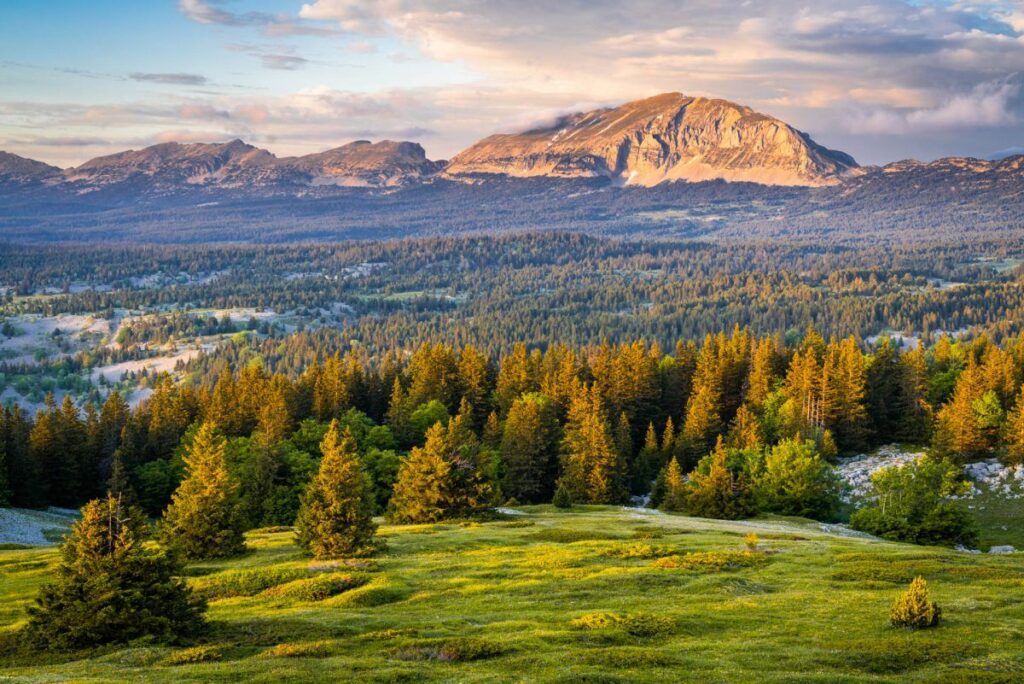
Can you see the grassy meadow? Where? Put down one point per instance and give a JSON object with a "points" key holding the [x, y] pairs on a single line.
{"points": [[596, 594]]}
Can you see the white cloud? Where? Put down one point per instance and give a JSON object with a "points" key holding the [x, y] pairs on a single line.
{"points": [[992, 104]]}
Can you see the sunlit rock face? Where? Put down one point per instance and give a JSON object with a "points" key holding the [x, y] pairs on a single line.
{"points": [[667, 137]]}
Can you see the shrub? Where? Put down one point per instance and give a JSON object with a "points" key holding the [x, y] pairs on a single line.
{"points": [[751, 541], [912, 505], [633, 551], [309, 649], [595, 621], [196, 654], [634, 624], [315, 588], [793, 479], [712, 561], [913, 609]]}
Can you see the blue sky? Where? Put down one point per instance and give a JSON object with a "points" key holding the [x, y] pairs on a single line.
{"points": [[882, 80]]}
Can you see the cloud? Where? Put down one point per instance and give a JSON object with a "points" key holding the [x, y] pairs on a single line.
{"points": [[213, 12], [170, 79], [992, 104], [851, 72]]}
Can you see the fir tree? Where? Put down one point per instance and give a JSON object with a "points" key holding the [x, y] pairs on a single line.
{"points": [[204, 519], [336, 514], [110, 589]]}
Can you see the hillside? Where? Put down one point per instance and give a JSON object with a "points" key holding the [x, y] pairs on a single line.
{"points": [[497, 602]]}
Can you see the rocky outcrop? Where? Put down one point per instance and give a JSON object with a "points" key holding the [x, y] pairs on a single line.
{"points": [[667, 137]]}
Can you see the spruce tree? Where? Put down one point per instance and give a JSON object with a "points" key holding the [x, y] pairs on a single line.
{"points": [[718, 492], [647, 463], [673, 497], [529, 449], [204, 519], [593, 470], [421, 493], [336, 514], [110, 589]]}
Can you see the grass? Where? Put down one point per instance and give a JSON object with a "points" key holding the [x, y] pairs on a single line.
{"points": [[999, 520], [573, 597]]}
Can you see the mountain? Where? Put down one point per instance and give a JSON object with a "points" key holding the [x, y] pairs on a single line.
{"points": [[363, 163], [169, 167], [174, 167], [18, 171], [667, 137]]}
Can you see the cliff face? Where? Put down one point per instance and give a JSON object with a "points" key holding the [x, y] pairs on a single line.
{"points": [[667, 137]]}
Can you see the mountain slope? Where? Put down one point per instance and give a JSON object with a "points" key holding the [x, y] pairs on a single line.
{"points": [[15, 170], [667, 137]]}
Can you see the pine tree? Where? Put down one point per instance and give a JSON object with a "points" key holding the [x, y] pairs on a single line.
{"points": [[336, 514], [593, 471], [204, 519], [529, 449], [674, 496], [110, 589]]}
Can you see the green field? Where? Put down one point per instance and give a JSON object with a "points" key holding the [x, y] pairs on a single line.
{"points": [[496, 602]]}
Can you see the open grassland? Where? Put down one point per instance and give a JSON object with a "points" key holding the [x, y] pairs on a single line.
{"points": [[597, 594]]}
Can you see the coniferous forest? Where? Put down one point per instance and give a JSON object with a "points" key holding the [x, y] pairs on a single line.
{"points": [[252, 431]]}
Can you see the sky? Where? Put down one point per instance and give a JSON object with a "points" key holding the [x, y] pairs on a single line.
{"points": [[882, 80]]}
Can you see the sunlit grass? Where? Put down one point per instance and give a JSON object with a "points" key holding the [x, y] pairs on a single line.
{"points": [[573, 597]]}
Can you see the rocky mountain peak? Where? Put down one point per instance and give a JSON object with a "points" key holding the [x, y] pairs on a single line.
{"points": [[666, 137]]}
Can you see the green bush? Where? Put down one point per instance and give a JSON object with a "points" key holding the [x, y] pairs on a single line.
{"points": [[912, 505]]}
